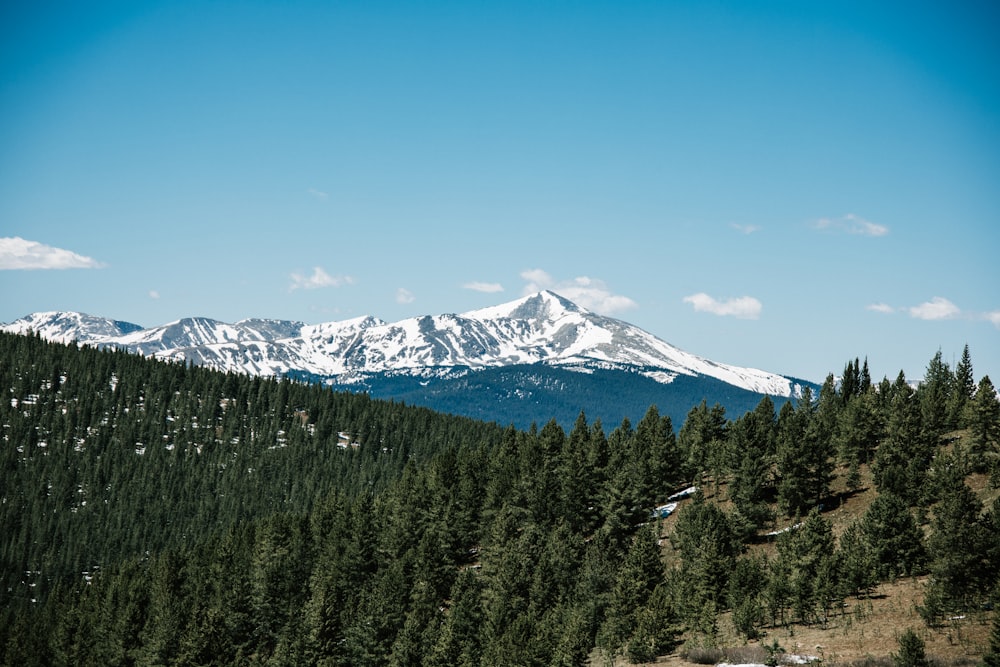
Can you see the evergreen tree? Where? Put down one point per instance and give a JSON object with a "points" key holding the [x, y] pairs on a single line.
{"points": [[902, 459], [992, 657], [457, 643], [859, 572], [751, 439], [746, 586], [911, 651], [850, 382], [892, 538], [655, 457], [701, 439], [638, 578], [958, 547], [708, 546], [984, 423], [964, 387], [935, 395], [804, 463], [810, 553]]}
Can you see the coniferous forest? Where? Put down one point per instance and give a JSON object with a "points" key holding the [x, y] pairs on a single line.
{"points": [[156, 513]]}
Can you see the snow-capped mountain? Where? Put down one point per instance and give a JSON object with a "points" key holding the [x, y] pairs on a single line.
{"points": [[537, 358], [543, 328], [64, 327]]}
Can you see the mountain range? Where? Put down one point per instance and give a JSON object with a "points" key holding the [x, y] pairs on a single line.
{"points": [[529, 360]]}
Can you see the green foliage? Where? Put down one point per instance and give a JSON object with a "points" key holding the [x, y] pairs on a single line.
{"points": [[159, 513], [959, 547], [804, 452], [892, 538], [992, 657], [901, 462], [911, 651], [983, 415]]}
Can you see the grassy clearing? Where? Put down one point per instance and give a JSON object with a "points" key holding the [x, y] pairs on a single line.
{"points": [[865, 633]]}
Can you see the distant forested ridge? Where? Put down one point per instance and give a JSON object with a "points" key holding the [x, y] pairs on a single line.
{"points": [[156, 513]]}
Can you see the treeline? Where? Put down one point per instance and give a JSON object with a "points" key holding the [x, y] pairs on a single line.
{"points": [[162, 514]]}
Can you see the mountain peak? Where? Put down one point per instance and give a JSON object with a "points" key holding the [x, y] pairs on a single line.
{"points": [[544, 305], [68, 326], [540, 328]]}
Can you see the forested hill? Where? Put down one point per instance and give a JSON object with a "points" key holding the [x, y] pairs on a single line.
{"points": [[109, 455], [155, 513]]}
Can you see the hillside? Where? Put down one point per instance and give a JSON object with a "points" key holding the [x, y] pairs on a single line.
{"points": [[161, 513]]}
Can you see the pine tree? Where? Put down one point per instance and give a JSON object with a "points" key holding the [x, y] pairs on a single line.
{"points": [[811, 555], [804, 456], [935, 395], [958, 548], [902, 459], [708, 546], [892, 538], [992, 657], [640, 574], [964, 385], [984, 423], [858, 567], [746, 586], [850, 382], [911, 651], [701, 439], [751, 439]]}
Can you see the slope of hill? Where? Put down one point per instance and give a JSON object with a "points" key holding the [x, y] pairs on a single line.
{"points": [[164, 514]]}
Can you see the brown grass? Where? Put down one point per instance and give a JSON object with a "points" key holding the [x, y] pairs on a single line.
{"points": [[865, 633]]}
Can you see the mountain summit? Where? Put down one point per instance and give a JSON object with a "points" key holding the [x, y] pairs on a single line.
{"points": [[543, 332]]}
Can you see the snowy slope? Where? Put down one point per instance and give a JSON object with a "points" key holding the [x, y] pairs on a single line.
{"points": [[542, 328], [66, 327]]}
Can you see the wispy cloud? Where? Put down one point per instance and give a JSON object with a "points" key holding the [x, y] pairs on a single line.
{"points": [[319, 278], [851, 224], [489, 288], [938, 308], [318, 194], [743, 307], [591, 293], [20, 254], [153, 294], [404, 296], [745, 229]]}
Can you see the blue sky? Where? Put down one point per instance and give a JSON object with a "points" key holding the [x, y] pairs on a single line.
{"points": [[784, 185]]}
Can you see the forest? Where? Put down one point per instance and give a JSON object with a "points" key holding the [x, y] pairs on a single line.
{"points": [[157, 513]]}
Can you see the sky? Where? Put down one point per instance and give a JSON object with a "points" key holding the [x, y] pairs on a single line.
{"points": [[780, 185]]}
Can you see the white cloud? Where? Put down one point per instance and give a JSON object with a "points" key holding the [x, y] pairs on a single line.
{"points": [[20, 254], [745, 229], [537, 280], [937, 308], [318, 194], [489, 288], [851, 224], [404, 296], [590, 293], [744, 307], [153, 294], [319, 278]]}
